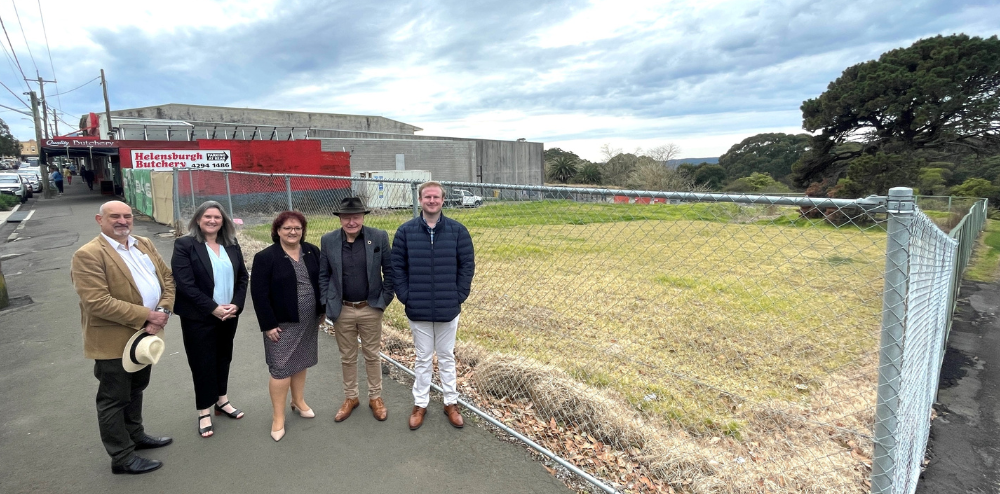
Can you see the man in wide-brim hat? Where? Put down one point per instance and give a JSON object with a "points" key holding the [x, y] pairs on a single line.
{"points": [[355, 281]]}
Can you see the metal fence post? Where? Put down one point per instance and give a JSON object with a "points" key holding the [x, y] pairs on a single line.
{"points": [[288, 191], [191, 179], [229, 195], [900, 208], [416, 199], [177, 201]]}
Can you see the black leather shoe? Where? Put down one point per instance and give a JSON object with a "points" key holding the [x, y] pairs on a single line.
{"points": [[150, 442], [136, 466]]}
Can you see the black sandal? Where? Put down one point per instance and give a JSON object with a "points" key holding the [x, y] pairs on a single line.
{"points": [[236, 413], [205, 430]]}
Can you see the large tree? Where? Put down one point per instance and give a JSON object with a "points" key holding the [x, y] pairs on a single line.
{"points": [[939, 93], [9, 146], [773, 154]]}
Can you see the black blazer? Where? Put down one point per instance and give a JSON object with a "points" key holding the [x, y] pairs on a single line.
{"points": [[195, 281], [273, 285]]}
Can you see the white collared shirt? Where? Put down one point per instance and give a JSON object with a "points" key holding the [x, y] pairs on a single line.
{"points": [[142, 268]]}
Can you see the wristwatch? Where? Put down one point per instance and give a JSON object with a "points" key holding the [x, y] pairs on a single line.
{"points": [[165, 311]]}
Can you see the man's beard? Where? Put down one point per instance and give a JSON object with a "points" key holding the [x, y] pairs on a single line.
{"points": [[122, 230]]}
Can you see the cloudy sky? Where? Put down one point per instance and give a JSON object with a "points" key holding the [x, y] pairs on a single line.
{"points": [[631, 73]]}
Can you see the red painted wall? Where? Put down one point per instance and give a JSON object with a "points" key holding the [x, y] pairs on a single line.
{"points": [[280, 157]]}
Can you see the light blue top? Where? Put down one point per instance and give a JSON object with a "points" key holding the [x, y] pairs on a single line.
{"points": [[225, 278]]}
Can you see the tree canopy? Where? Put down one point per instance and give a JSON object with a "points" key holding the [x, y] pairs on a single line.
{"points": [[939, 93], [773, 154], [9, 146]]}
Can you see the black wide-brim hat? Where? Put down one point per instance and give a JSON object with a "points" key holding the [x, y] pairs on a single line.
{"points": [[351, 205]]}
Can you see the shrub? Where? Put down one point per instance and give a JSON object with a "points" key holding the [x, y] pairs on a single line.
{"points": [[8, 202]]}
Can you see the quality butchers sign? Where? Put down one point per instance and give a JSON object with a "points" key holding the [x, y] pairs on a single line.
{"points": [[192, 159]]}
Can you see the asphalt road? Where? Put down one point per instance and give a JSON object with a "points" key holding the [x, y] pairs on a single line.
{"points": [[964, 445], [49, 441]]}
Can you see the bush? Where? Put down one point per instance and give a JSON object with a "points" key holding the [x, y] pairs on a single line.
{"points": [[8, 202]]}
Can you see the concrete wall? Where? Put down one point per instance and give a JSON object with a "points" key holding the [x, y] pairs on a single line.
{"points": [[280, 118], [506, 162], [446, 160]]}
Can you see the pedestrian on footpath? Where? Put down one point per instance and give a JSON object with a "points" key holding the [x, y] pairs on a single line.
{"points": [[433, 263], [126, 295], [286, 298], [88, 176], [211, 280], [56, 178], [355, 282]]}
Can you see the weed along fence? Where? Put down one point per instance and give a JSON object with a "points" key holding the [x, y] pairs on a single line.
{"points": [[686, 343]]}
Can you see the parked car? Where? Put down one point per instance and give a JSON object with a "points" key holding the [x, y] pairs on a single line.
{"points": [[33, 179], [14, 184], [462, 198]]}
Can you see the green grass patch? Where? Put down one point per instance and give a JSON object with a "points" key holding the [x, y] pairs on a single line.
{"points": [[676, 308], [985, 264]]}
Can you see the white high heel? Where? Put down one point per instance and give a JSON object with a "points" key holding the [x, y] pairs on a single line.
{"points": [[306, 414]]}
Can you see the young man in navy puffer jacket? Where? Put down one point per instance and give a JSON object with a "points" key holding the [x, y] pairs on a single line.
{"points": [[433, 263]]}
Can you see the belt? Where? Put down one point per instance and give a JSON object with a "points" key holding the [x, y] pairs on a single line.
{"points": [[356, 305]]}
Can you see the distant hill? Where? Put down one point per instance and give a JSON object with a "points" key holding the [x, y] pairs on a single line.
{"points": [[693, 161]]}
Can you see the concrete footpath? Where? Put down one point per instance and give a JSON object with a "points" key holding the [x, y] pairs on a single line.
{"points": [[964, 445], [49, 440]]}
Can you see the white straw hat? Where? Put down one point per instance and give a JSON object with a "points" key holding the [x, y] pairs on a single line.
{"points": [[141, 350]]}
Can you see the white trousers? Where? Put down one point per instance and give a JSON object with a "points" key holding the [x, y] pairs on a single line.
{"points": [[430, 337]]}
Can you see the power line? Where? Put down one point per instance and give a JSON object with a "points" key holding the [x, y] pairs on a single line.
{"points": [[22, 112], [15, 95], [10, 63], [25, 36], [78, 87], [12, 50], [49, 50]]}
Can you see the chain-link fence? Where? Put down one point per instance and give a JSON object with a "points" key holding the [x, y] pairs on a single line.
{"points": [[675, 342]]}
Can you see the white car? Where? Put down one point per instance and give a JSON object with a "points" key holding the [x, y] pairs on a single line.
{"points": [[33, 179], [15, 185]]}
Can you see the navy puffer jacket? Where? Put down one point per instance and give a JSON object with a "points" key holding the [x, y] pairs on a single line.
{"points": [[432, 279]]}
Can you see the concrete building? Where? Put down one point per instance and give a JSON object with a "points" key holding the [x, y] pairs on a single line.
{"points": [[29, 149], [375, 142]]}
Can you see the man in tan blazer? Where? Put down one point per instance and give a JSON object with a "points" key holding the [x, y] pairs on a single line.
{"points": [[124, 287]]}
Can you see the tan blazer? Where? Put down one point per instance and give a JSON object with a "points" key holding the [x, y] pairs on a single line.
{"points": [[111, 307]]}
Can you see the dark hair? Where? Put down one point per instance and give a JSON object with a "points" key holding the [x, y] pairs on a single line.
{"points": [[227, 233], [282, 218]]}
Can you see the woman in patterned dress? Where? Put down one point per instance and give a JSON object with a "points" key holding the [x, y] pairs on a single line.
{"points": [[284, 285]]}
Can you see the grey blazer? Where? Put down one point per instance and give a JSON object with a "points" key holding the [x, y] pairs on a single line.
{"points": [[377, 258]]}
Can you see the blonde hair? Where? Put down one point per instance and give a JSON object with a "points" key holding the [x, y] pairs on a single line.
{"points": [[429, 183]]}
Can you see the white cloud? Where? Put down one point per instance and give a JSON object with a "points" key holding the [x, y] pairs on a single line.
{"points": [[701, 74]]}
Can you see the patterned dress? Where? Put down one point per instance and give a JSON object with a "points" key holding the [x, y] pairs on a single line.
{"points": [[297, 348]]}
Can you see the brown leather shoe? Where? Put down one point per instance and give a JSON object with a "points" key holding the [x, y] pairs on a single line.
{"points": [[454, 418], [417, 417], [345, 410], [378, 409]]}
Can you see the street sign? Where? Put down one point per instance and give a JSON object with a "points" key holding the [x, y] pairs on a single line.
{"points": [[190, 159]]}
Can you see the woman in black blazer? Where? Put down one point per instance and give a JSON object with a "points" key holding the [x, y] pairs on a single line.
{"points": [[211, 282], [285, 290]]}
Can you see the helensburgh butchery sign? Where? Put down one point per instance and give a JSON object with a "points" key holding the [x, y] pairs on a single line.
{"points": [[167, 159]]}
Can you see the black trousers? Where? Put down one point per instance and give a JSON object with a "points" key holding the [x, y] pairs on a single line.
{"points": [[209, 348], [119, 407]]}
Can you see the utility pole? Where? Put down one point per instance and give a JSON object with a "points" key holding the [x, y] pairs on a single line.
{"points": [[55, 122], [107, 106], [43, 170], [45, 111]]}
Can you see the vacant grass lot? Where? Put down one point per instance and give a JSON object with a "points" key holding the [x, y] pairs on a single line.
{"points": [[692, 313]]}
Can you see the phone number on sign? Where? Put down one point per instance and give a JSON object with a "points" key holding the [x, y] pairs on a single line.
{"points": [[209, 165]]}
